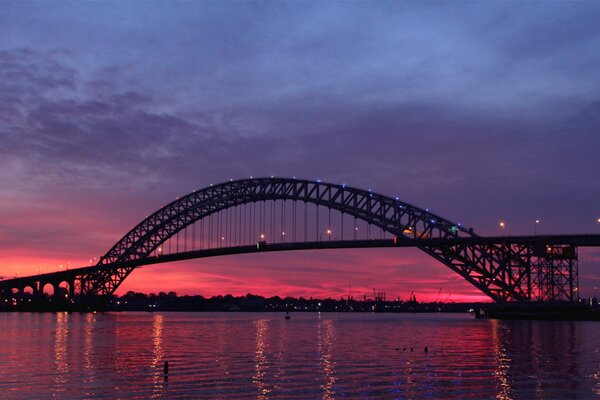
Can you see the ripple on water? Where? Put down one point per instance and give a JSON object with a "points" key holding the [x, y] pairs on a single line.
{"points": [[261, 356]]}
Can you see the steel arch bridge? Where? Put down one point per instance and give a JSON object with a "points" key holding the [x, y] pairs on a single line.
{"points": [[506, 268]]}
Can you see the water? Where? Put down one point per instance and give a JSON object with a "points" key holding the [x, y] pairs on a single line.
{"points": [[311, 356]]}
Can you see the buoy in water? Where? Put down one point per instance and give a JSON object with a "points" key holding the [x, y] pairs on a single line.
{"points": [[287, 315]]}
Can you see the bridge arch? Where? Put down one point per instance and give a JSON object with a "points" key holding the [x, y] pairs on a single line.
{"points": [[479, 266], [389, 214]]}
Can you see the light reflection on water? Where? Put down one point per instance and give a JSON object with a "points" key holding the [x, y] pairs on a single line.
{"points": [[263, 356], [61, 348], [326, 337], [261, 360]]}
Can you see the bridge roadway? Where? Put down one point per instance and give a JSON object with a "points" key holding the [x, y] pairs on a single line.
{"points": [[590, 240]]}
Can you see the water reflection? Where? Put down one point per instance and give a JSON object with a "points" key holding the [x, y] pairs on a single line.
{"points": [[326, 335], [502, 361], [158, 356], [221, 356], [71, 356], [61, 353], [88, 350], [261, 364], [537, 359]]}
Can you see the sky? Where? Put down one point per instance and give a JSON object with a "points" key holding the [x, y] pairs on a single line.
{"points": [[479, 111]]}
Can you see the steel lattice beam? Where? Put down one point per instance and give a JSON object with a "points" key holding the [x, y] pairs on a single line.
{"points": [[501, 268]]}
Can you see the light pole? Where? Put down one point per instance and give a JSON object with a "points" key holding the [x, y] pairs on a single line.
{"points": [[329, 234], [537, 221], [503, 228]]}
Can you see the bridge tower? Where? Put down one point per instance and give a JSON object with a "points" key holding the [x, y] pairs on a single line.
{"points": [[555, 273]]}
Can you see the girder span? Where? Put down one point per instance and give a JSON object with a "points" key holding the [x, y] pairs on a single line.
{"points": [[492, 268]]}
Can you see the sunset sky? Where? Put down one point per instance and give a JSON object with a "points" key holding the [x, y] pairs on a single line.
{"points": [[479, 111]]}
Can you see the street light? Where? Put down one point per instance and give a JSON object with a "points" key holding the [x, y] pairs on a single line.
{"points": [[329, 233], [537, 221], [503, 227]]}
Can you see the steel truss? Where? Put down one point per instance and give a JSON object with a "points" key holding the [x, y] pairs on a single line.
{"points": [[503, 270], [496, 270]]}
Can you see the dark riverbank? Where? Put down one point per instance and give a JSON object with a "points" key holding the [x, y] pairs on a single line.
{"points": [[132, 301]]}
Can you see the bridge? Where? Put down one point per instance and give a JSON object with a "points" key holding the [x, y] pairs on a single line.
{"points": [[280, 214]]}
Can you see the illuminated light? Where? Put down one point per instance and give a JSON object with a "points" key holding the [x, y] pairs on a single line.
{"points": [[293, 177], [329, 231], [598, 220], [318, 180], [427, 209], [250, 177], [283, 233], [222, 237], [271, 176], [262, 235], [537, 221], [397, 198]]}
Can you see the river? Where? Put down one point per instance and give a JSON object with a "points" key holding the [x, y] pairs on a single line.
{"points": [[310, 356]]}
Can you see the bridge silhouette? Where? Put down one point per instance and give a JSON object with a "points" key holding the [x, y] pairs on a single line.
{"points": [[280, 214]]}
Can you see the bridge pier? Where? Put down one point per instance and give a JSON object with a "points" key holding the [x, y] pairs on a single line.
{"points": [[555, 273]]}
